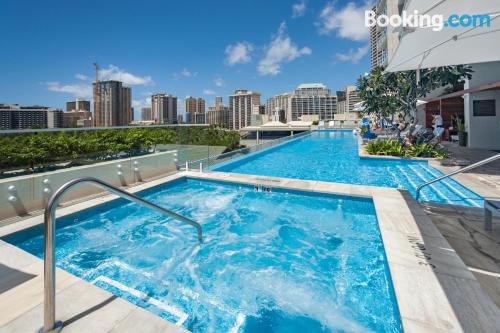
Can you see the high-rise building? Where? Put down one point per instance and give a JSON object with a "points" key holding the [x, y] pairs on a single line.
{"points": [[347, 100], [164, 108], [198, 118], [218, 114], [146, 113], [190, 104], [384, 40], [112, 104], [351, 98], [242, 104], [194, 105], [77, 118], [14, 116], [307, 99], [180, 119], [77, 114], [78, 105], [196, 108]]}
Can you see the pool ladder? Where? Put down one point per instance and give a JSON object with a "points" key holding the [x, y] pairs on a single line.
{"points": [[467, 168], [49, 319]]}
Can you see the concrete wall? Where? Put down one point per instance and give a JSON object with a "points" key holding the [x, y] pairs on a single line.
{"points": [[24, 194], [484, 132]]}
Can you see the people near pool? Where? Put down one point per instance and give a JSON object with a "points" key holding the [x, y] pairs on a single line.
{"points": [[437, 122], [426, 136]]}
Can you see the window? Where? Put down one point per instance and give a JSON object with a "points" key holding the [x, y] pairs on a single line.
{"points": [[484, 108]]}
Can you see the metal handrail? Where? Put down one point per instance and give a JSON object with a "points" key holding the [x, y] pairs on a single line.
{"points": [[50, 324], [467, 168]]}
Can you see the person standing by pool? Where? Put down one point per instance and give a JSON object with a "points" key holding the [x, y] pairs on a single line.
{"points": [[437, 122]]}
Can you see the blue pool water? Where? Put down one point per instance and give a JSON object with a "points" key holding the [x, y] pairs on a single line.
{"points": [[270, 262], [332, 156]]}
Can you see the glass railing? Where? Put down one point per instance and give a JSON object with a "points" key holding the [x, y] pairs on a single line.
{"points": [[32, 152], [208, 162]]}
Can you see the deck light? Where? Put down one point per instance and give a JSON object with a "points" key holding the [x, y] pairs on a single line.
{"points": [[12, 188], [47, 190], [12, 198], [46, 181]]}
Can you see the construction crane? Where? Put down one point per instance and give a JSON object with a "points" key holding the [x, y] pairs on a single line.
{"points": [[97, 69]]}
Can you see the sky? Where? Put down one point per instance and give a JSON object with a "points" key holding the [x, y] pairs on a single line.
{"points": [[185, 48]]}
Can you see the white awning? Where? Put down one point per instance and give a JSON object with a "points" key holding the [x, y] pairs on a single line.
{"points": [[425, 48]]}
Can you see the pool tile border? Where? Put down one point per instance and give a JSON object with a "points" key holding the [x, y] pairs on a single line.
{"points": [[434, 289]]}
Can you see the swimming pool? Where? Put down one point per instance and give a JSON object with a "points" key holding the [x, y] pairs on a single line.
{"points": [[280, 261], [332, 156]]}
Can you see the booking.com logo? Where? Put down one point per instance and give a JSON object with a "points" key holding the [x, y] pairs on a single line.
{"points": [[436, 22]]}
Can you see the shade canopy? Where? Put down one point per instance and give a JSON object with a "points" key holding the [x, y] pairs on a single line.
{"points": [[426, 48]]}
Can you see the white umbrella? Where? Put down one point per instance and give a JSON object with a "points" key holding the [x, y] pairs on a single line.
{"points": [[424, 47], [359, 107]]}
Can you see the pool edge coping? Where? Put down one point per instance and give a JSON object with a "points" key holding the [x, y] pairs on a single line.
{"points": [[411, 241]]}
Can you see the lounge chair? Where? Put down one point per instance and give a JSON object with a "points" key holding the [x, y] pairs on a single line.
{"points": [[331, 123]]}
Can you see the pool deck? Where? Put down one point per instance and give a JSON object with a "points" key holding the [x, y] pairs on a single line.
{"points": [[463, 226], [435, 290]]}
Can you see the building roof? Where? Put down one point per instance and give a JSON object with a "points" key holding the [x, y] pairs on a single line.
{"points": [[311, 85], [274, 124]]}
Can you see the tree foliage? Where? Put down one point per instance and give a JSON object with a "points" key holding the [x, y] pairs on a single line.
{"points": [[387, 94], [34, 149]]}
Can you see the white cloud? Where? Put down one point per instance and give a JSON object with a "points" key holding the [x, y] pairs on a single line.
{"points": [[185, 73], [137, 104], [78, 89], [348, 22], [281, 49], [239, 53], [353, 56], [208, 92], [115, 73], [219, 82], [299, 9], [82, 77]]}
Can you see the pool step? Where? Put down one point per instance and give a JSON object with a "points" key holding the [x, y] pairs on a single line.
{"points": [[182, 317], [450, 183], [446, 183]]}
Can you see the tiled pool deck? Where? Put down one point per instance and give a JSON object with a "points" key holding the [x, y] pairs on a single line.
{"points": [[435, 290]]}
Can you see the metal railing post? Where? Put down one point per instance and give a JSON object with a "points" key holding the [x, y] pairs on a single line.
{"points": [[49, 304], [467, 168]]}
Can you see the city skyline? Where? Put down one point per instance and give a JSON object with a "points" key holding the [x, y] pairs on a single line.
{"points": [[293, 42]]}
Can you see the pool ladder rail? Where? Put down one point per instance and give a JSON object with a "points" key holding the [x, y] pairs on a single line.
{"points": [[49, 322], [467, 168]]}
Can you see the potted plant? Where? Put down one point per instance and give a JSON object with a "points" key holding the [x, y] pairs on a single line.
{"points": [[462, 134]]}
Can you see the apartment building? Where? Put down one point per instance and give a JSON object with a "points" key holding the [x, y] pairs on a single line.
{"points": [[112, 104], [307, 99], [384, 40], [146, 114], [218, 114], [242, 104], [14, 116], [78, 105], [164, 108]]}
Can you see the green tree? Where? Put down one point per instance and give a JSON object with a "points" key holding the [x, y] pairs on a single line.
{"points": [[387, 94]]}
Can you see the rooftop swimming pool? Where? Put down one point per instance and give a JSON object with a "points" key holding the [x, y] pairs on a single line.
{"points": [[280, 261], [332, 156]]}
